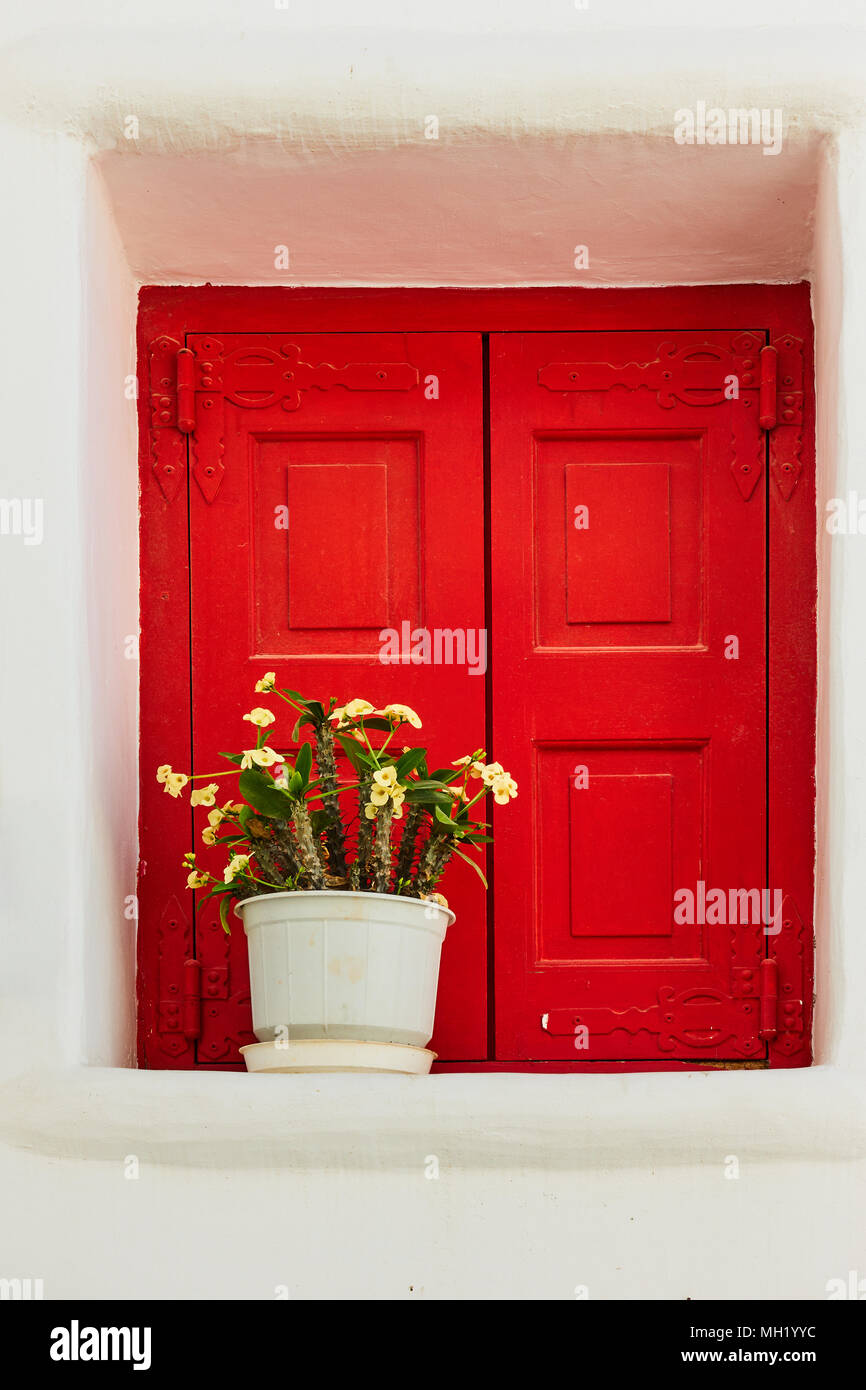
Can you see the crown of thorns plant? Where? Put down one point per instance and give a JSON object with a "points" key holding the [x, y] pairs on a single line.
{"points": [[296, 829]]}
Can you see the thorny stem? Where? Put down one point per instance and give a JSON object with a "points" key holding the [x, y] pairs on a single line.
{"points": [[437, 851], [307, 845], [382, 850], [288, 848], [358, 875], [334, 835], [406, 852], [268, 861]]}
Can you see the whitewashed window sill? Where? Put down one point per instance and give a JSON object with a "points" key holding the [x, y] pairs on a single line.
{"points": [[470, 1121]]}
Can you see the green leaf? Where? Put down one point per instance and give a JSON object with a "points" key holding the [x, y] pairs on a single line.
{"points": [[225, 902], [314, 710], [296, 787], [214, 892], [452, 825], [427, 797], [304, 763], [360, 761], [303, 719], [236, 758], [261, 793], [410, 761]]}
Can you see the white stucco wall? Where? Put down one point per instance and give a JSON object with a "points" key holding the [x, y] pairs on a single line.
{"points": [[255, 128]]}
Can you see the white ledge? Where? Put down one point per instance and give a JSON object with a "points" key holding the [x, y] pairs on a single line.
{"points": [[471, 1120]]}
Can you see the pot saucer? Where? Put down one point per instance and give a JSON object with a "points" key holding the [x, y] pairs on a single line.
{"points": [[336, 1054]]}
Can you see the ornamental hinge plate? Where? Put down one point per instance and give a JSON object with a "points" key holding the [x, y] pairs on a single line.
{"points": [[175, 944], [167, 442], [255, 377], [767, 379], [696, 1018], [782, 362], [214, 985]]}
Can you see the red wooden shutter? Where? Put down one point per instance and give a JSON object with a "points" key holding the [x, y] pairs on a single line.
{"points": [[628, 525], [336, 491]]}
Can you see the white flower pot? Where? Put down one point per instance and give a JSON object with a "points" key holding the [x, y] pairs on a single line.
{"points": [[359, 966]]}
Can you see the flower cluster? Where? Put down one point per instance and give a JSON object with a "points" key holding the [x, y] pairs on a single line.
{"points": [[494, 776], [386, 790], [173, 782], [298, 825], [360, 710]]}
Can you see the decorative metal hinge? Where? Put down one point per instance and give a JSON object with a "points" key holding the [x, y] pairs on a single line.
{"points": [[780, 1017], [694, 1018], [707, 374], [781, 409], [167, 444], [769, 998], [190, 386], [216, 986]]}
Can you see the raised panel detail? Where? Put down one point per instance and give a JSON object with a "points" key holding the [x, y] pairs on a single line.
{"points": [[336, 543], [338, 582], [618, 548], [620, 827], [620, 851], [630, 573]]}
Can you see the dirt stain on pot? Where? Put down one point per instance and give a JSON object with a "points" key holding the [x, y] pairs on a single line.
{"points": [[352, 967]]}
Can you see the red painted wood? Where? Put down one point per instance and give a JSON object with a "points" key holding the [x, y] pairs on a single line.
{"points": [[671, 734], [165, 907], [237, 308], [380, 487], [792, 696], [778, 310]]}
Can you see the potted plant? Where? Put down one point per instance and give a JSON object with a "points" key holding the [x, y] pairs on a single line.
{"points": [[336, 880]]}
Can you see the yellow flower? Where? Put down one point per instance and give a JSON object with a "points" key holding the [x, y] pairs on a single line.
{"points": [[504, 788], [236, 866], [206, 796], [260, 717], [385, 776], [398, 810], [371, 810], [263, 757], [488, 772], [477, 767], [196, 880], [385, 786], [355, 709], [402, 714], [208, 835], [267, 682], [173, 782]]}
